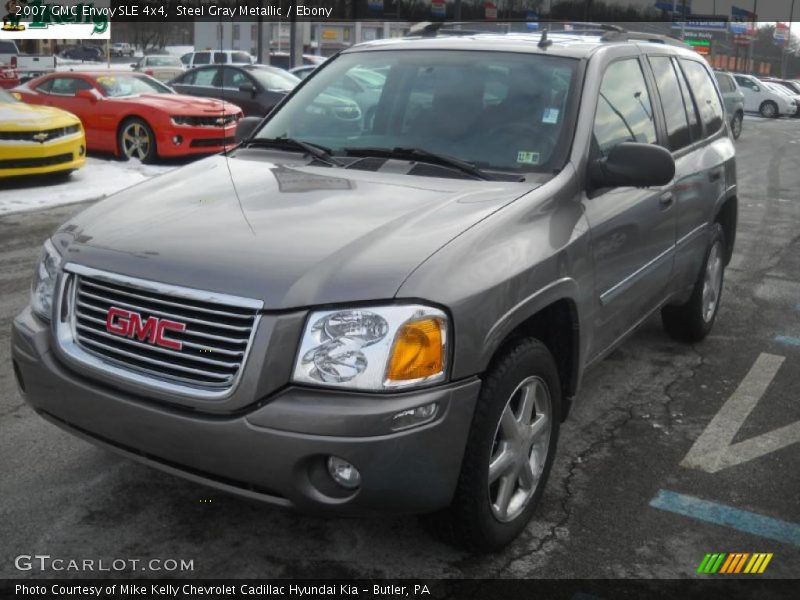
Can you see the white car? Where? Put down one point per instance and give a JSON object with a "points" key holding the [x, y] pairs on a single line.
{"points": [[794, 96], [760, 98], [121, 49], [161, 66], [216, 57]]}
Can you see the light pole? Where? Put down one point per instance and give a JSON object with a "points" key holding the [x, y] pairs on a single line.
{"points": [[750, 58]]}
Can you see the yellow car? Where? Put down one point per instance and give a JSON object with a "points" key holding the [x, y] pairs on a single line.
{"points": [[37, 140]]}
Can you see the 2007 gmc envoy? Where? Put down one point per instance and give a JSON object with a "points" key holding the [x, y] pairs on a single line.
{"points": [[385, 299]]}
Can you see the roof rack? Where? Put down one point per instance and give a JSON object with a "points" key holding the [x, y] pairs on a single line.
{"points": [[641, 36]]}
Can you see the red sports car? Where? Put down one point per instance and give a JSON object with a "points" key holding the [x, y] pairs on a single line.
{"points": [[135, 116]]}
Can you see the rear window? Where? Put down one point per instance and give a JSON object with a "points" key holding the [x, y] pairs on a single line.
{"points": [[8, 48], [705, 95]]}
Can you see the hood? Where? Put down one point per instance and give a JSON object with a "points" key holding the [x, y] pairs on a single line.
{"points": [[18, 116], [186, 105], [295, 235]]}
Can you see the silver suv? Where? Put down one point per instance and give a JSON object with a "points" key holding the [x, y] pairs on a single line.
{"points": [[386, 301]]}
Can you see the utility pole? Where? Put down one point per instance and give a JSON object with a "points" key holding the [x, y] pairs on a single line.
{"points": [[750, 66], [787, 46]]}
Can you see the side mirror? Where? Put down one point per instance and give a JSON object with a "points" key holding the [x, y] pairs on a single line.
{"points": [[248, 88], [245, 127], [632, 164], [756, 88], [86, 95]]}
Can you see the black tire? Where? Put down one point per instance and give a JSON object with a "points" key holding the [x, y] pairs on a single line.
{"points": [[687, 322], [769, 110], [136, 126], [736, 125], [470, 522]]}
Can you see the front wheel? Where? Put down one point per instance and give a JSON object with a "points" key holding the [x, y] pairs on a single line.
{"points": [[136, 139], [509, 453], [768, 109], [691, 322]]}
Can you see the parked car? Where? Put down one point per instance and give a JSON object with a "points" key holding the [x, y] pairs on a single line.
{"points": [[734, 101], [38, 140], [84, 53], [791, 95], [346, 318], [283, 60], [216, 57], [303, 71], [133, 115], [763, 100], [255, 88], [9, 77], [790, 84], [122, 49], [26, 66], [160, 66]]}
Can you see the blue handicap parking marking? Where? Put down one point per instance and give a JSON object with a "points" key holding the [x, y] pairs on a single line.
{"points": [[728, 516], [788, 340]]}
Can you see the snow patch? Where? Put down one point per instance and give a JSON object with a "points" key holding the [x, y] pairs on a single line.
{"points": [[97, 179]]}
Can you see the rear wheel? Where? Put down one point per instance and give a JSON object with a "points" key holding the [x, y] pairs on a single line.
{"points": [[691, 322], [509, 453], [736, 125], [136, 139], [768, 109]]}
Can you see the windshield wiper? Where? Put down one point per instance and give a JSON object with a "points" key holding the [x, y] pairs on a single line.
{"points": [[321, 153], [423, 155]]}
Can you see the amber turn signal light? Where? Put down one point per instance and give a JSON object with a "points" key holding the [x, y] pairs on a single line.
{"points": [[418, 352]]}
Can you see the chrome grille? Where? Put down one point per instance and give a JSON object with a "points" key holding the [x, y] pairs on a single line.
{"points": [[213, 345]]}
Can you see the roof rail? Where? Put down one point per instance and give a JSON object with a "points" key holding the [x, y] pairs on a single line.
{"points": [[642, 36]]}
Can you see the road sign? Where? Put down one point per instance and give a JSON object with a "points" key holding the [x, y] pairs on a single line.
{"points": [[699, 45], [438, 8], [781, 34], [490, 10], [533, 20]]}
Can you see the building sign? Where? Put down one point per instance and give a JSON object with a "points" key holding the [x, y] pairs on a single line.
{"points": [[438, 8], [701, 46], [330, 34], [781, 34], [490, 10]]}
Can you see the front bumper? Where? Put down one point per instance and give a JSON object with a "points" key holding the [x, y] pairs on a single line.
{"points": [[62, 154], [195, 140], [273, 452]]}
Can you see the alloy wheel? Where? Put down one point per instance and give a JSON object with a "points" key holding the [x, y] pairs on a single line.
{"points": [[519, 450], [136, 141]]}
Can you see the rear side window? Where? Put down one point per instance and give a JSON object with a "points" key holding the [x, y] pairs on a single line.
{"points": [[220, 58], [240, 57], [672, 101], [725, 83], [705, 95], [202, 58], [695, 126], [68, 86], [202, 77], [624, 111]]}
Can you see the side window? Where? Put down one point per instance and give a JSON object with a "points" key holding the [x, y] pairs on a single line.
{"points": [[671, 100], [691, 109], [724, 83], [705, 95], [202, 58], [220, 58], [203, 77], [68, 86], [233, 78], [624, 111], [746, 82], [45, 86]]}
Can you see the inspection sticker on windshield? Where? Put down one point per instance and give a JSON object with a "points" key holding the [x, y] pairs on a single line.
{"points": [[528, 158], [550, 115]]}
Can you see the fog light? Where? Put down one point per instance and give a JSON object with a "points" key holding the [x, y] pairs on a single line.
{"points": [[414, 416], [177, 140], [81, 151], [343, 473]]}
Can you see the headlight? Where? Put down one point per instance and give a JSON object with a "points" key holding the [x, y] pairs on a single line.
{"points": [[376, 348], [44, 281]]}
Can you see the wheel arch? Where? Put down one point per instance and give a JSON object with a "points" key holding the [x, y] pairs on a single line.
{"points": [[727, 216], [553, 319]]}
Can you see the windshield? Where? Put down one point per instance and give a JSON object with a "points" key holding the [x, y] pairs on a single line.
{"points": [[275, 79], [496, 110], [115, 86], [6, 97]]}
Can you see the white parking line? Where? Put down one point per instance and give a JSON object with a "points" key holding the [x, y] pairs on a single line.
{"points": [[713, 450]]}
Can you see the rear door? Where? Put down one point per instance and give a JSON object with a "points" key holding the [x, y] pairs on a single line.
{"points": [[705, 168], [632, 229]]}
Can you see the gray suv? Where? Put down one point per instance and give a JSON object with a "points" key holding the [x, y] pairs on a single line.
{"points": [[390, 307]]}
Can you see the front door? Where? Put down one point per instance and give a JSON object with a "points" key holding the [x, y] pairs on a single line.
{"points": [[632, 229]]}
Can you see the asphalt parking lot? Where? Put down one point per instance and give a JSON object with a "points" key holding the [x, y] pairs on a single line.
{"points": [[673, 451]]}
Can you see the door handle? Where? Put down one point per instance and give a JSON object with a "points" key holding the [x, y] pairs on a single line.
{"points": [[715, 175], [666, 200]]}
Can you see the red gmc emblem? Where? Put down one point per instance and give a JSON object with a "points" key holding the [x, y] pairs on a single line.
{"points": [[130, 324]]}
